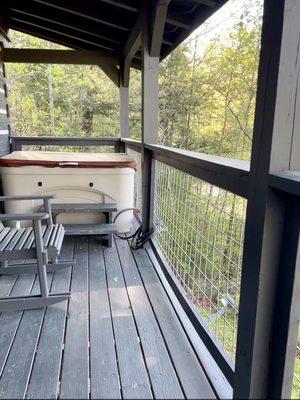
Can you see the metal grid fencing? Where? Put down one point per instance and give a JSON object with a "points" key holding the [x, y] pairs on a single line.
{"points": [[200, 230], [137, 179]]}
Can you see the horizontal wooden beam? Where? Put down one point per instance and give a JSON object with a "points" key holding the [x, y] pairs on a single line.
{"points": [[133, 144], [288, 182], [19, 141], [87, 57], [226, 173]]}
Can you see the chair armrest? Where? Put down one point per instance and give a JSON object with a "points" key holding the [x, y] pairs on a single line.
{"points": [[28, 197], [24, 217]]}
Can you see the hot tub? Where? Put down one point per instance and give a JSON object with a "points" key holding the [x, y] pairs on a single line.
{"points": [[74, 178]]}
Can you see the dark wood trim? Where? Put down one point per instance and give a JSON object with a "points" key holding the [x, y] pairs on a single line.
{"points": [[288, 182], [97, 57], [19, 141], [286, 317], [132, 144], [229, 174]]}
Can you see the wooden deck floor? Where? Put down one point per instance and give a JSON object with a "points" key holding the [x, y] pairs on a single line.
{"points": [[119, 336]]}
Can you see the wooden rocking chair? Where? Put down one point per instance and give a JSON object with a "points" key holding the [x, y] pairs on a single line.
{"points": [[40, 242]]}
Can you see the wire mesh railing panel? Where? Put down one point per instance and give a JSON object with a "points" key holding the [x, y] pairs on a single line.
{"points": [[137, 179], [200, 230]]}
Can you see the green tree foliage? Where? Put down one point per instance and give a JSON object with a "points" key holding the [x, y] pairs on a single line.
{"points": [[60, 100]]}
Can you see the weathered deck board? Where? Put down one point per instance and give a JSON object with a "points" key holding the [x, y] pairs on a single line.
{"points": [[75, 369], [9, 321], [162, 373], [15, 376], [119, 336], [105, 383], [46, 385], [190, 372], [133, 374]]}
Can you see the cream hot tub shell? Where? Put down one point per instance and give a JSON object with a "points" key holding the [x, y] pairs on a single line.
{"points": [[73, 178]]}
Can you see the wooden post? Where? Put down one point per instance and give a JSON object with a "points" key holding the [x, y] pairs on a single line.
{"points": [[286, 156], [270, 251], [150, 74], [124, 111]]}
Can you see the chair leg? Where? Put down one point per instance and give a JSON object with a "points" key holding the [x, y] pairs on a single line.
{"points": [[40, 256]]}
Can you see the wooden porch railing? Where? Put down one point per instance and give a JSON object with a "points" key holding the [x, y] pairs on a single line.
{"points": [[18, 142]]}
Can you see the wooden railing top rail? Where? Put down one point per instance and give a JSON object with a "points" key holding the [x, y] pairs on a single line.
{"points": [[64, 141], [230, 174]]}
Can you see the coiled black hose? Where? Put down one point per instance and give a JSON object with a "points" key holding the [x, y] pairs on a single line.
{"points": [[138, 238]]}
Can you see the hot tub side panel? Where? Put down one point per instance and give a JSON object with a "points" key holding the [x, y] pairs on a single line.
{"points": [[72, 185]]}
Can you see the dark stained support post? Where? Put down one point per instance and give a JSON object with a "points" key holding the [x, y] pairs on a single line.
{"points": [[124, 102], [270, 215], [287, 306], [154, 17], [150, 74], [286, 156], [124, 111]]}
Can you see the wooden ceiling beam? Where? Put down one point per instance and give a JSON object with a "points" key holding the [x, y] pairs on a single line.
{"points": [[65, 33], [119, 4], [71, 21], [48, 56], [88, 12]]}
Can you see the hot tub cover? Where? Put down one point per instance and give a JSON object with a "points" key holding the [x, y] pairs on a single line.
{"points": [[51, 159]]}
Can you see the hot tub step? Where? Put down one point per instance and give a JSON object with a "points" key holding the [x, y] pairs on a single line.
{"points": [[87, 207], [90, 229]]}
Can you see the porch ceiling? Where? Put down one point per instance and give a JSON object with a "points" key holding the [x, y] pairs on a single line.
{"points": [[103, 24]]}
